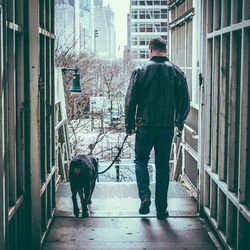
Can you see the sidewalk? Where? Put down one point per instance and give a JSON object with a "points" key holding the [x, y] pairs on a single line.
{"points": [[114, 223]]}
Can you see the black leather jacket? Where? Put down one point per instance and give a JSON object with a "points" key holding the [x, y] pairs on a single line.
{"points": [[157, 96]]}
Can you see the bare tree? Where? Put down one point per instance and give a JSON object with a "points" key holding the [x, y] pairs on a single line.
{"points": [[99, 77]]}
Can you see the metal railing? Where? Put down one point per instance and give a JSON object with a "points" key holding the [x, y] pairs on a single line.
{"points": [[123, 172]]}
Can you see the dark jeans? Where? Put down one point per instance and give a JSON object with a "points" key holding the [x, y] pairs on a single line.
{"points": [[161, 139]]}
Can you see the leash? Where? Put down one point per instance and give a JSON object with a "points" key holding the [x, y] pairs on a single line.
{"points": [[117, 156]]}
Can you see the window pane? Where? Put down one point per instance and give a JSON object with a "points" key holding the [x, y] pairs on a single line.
{"points": [[149, 2], [142, 27]]}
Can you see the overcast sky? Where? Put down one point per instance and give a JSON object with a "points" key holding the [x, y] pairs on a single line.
{"points": [[121, 9]]}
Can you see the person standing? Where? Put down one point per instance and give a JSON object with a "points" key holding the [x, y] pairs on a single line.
{"points": [[156, 102]]}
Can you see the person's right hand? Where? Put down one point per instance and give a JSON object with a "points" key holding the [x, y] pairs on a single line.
{"points": [[178, 131]]}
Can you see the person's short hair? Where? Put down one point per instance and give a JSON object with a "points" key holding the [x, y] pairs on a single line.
{"points": [[158, 44]]}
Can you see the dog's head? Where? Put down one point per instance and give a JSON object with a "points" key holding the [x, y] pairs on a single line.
{"points": [[82, 164], [76, 166]]}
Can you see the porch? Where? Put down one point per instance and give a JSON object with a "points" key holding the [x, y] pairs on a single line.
{"points": [[115, 223]]}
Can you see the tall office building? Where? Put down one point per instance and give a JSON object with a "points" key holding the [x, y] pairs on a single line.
{"points": [[76, 22], [109, 16], [65, 24], [104, 44], [98, 3], [86, 25], [77, 26], [147, 20]]}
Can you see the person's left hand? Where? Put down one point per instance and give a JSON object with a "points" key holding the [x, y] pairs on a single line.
{"points": [[177, 136]]}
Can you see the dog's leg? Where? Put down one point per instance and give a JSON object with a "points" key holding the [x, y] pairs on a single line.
{"points": [[87, 194], [84, 204], [75, 205], [92, 189]]}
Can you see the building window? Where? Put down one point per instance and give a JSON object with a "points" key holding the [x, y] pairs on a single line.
{"points": [[164, 27], [134, 41], [142, 27], [164, 13], [149, 2], [148, 14], [142, 2], [142, 14], [156, 2], [143, 54], [157, 27], [134, 27], [134, 2], [149, 27], [157, 14], [134, 14], [142, 41], [164, 3]]}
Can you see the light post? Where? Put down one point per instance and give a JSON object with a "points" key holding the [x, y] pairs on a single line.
{"points": [[75, 88]]}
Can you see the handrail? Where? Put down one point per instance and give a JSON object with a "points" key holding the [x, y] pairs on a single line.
{"points": [[192, 131], [61, 123]]}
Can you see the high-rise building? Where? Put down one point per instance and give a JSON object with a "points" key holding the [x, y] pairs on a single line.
{"points": [[98, 3], [72, 2], [86, 25], [65, 24], [147, 20], [109, 16], [75, 24], [104, 44]]}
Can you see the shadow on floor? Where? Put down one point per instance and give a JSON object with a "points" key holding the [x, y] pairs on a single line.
{"points": [[114, 222], [121, 200]]}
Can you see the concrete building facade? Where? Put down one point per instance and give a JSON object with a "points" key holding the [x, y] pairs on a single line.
{"points": [[65, 24], [104, 44], [86, 25], [75, 25], [147, 20]]}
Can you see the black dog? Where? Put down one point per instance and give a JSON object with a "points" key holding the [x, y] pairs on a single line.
{"points": [[83, 171]]}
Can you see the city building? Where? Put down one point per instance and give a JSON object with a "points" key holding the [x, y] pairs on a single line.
{"points": [[86, 25], [147, 20], [74, 25], [77, 26], [64, 24], [98, 3], [109, 16], [104, 44]]}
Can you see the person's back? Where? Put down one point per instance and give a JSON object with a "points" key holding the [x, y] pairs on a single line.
{"points": [[156, 92], [157, 100]]}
